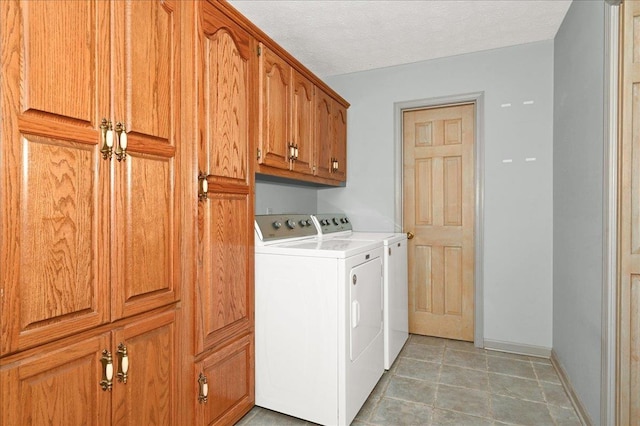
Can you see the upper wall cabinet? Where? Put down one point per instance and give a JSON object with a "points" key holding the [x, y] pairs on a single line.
{"points": [[275, 110], [302, 128], [87, 205]]}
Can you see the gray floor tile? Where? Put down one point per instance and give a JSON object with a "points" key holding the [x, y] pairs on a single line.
{"points": [[396, 412], [412, 390], [564, 416], [446, 418], [270, 418], [464, 377], [546, 373], [468, 401], [367, 409], [555, 395], [427, 340], [446, 382], [511, 367], [475, 360], [515, 387], [518, 411], [422, 352], [417, 369]]}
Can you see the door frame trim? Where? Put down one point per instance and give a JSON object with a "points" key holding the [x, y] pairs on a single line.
{"points": [[476, 98]]}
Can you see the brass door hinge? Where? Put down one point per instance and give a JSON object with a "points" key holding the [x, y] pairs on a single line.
{"points": [[259, 153], [259, 50]]}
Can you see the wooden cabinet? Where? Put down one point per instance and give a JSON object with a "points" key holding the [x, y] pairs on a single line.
{"points": [[330, 138], [286, 116], [221, 348], [303, 122], [275, 140], [61, 382], [339, 141], [88, 240], [303, 135]]}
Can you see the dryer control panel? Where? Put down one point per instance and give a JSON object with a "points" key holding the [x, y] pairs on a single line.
{"points": [[330, 223], [278, 227]]}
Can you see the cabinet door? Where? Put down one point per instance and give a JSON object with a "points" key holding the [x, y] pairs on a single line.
{"points": [[323, 135], [224, 296], [57, 387], [275, 110], [339, 141], [230, 374], [146, 98], [149, 395], [54, 212], [303, 123]]}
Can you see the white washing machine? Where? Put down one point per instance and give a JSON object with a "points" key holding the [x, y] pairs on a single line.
{"points": [[395, 282], [319, 320]]}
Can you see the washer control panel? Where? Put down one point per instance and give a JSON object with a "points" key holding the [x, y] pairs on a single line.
{"points": [[273, 227], [329, 223]]}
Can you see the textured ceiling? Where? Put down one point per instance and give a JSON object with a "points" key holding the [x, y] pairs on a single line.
{"points": [[341, 36]]}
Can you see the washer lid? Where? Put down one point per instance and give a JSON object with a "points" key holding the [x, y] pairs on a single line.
{"points": [[332, 248]]}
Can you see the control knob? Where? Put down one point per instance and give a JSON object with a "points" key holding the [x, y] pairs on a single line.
{"points": [[277, 225], [335, 221], [290, 224]]}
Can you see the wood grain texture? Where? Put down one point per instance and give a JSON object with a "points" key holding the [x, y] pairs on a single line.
{"points": [[146, 64], [225, 107], [149, 397], [323, 135], [230, 373], [439, 209], [303, 120], [339, 140], [58, 387], [54, 185], [220, 312], [275, 113], [628, 322]]}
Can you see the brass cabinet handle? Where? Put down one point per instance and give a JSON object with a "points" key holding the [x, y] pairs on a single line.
{"points": [[106, 138], [123, 363], [203, 394], [107, 371], [121, 141], [203, 186], [410, 235]]}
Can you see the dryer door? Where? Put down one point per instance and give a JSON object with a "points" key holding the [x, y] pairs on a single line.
{"points": [[365, 288]]}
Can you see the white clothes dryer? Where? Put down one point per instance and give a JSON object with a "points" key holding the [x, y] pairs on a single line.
{"points": [[395, 281], [318, 318]]}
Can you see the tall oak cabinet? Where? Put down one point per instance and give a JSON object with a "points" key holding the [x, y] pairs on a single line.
{"points": [[89, 211]]}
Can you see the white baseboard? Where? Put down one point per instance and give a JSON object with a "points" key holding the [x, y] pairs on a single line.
{"points": [[566, 383], [517, 348]]}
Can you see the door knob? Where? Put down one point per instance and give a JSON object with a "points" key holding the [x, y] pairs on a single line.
{"points": [[410, 235]]}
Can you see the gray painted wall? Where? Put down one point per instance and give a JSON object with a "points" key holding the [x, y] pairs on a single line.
{"points": [[284, 197], [518, 195], [578, 171]]}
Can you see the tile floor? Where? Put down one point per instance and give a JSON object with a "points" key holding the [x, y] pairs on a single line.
{"points": [[446, 382]]}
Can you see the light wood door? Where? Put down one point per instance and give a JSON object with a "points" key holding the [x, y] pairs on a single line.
{"points": [[275, 110], [628, 324], [439, 208], [146, 94], [303, 121], [57, 387], [54, 184]]}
